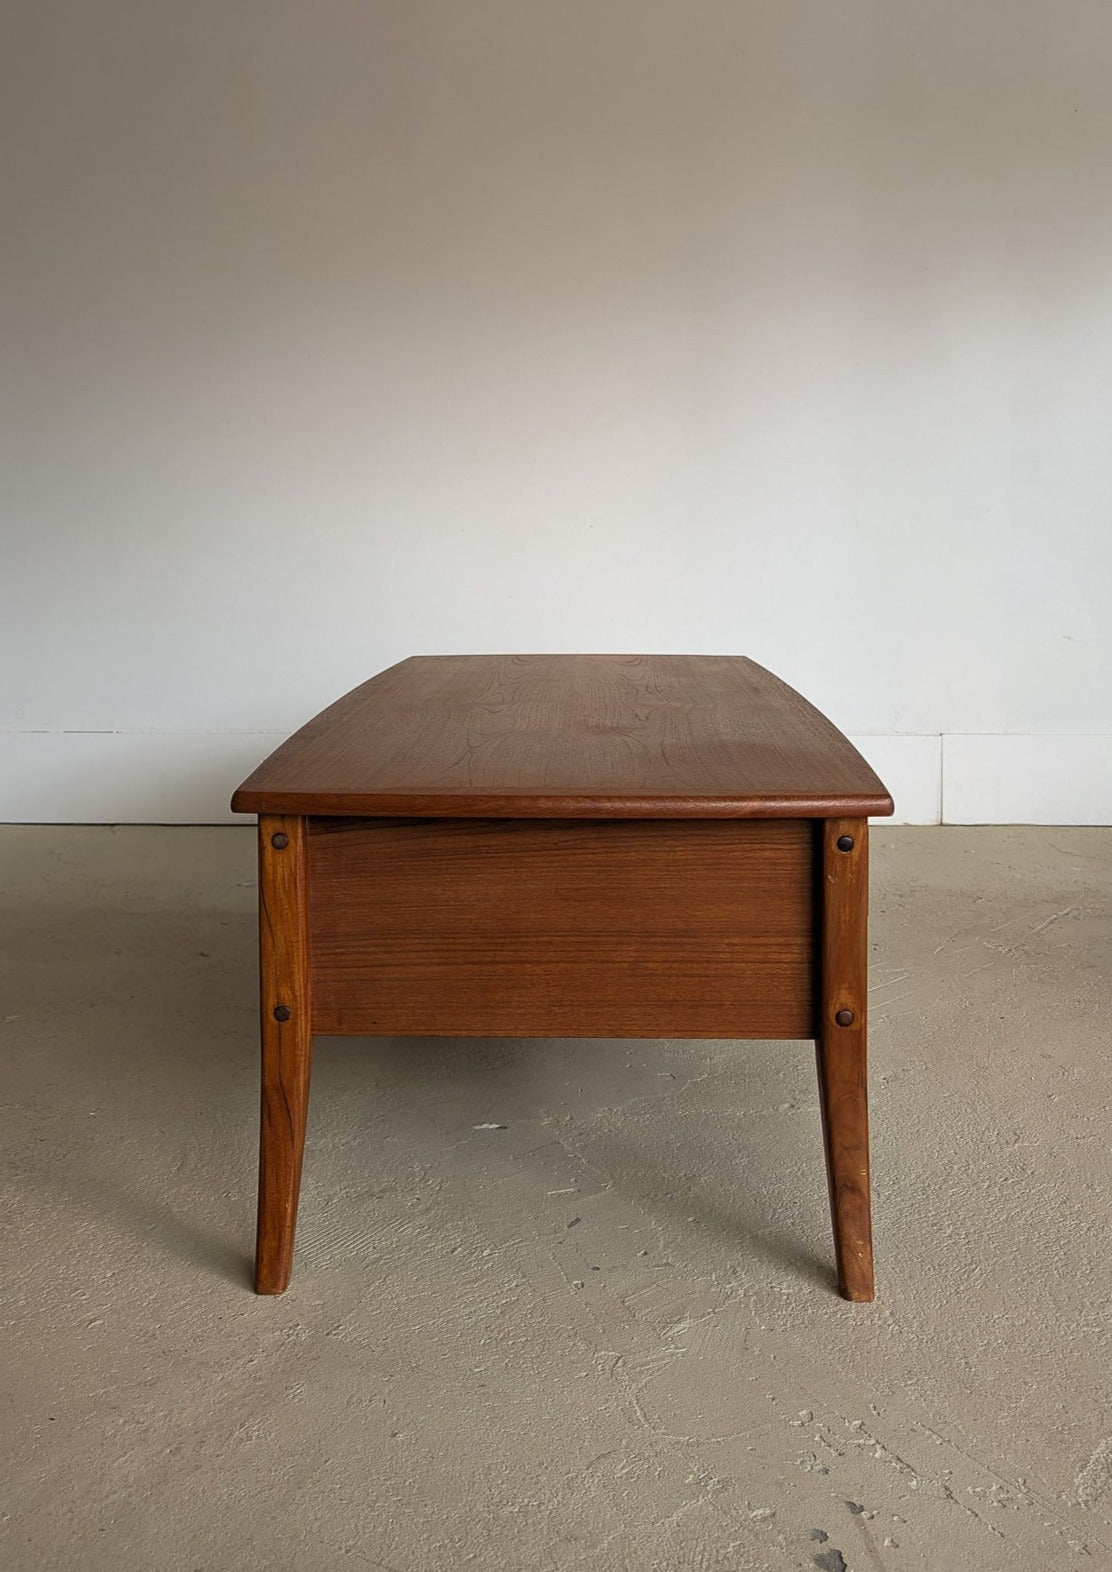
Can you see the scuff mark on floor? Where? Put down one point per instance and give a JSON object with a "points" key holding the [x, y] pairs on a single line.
{"points": [[830, 1561], [1095, 1478]]}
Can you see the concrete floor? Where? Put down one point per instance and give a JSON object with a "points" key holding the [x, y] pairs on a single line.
{"points": [[600, 1335]]}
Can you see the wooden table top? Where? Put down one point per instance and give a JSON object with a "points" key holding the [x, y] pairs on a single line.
{"points": [[569, 736]]}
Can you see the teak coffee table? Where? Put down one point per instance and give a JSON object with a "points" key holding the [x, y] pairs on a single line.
{"points": [[565, 845]]}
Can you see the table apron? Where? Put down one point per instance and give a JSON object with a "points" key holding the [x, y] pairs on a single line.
{"points": [[545, 928]]}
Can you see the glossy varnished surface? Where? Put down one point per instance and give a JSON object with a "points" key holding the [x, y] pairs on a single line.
{"points": [[569, 736]]}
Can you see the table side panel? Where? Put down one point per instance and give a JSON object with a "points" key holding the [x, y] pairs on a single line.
{"points": [[536, 928]]}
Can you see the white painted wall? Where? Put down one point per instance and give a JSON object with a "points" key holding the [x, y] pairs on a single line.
{"points": [[343, 330]]}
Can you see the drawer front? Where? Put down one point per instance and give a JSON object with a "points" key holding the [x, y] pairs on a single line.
{"points": [[547, 928]]}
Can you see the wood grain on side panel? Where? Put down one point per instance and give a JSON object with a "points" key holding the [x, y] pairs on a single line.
{"points": [[550, 928]]}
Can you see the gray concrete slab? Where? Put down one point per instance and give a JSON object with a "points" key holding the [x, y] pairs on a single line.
{"points": [[603, 1336]]}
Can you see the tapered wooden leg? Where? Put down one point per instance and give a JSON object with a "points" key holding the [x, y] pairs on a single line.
{"points": [[286, 1042], [841, 1049]]}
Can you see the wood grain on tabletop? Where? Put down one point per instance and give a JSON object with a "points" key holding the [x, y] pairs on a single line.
{"points": [[583, 736]]}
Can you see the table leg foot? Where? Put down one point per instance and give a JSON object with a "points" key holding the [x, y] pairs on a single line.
{"points": [[845, 1127], [286, 1043]]}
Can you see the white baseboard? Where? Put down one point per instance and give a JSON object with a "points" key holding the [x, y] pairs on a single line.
{"points": [[911, 768], [121, 777], [78, 777], [1027, 779]]}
